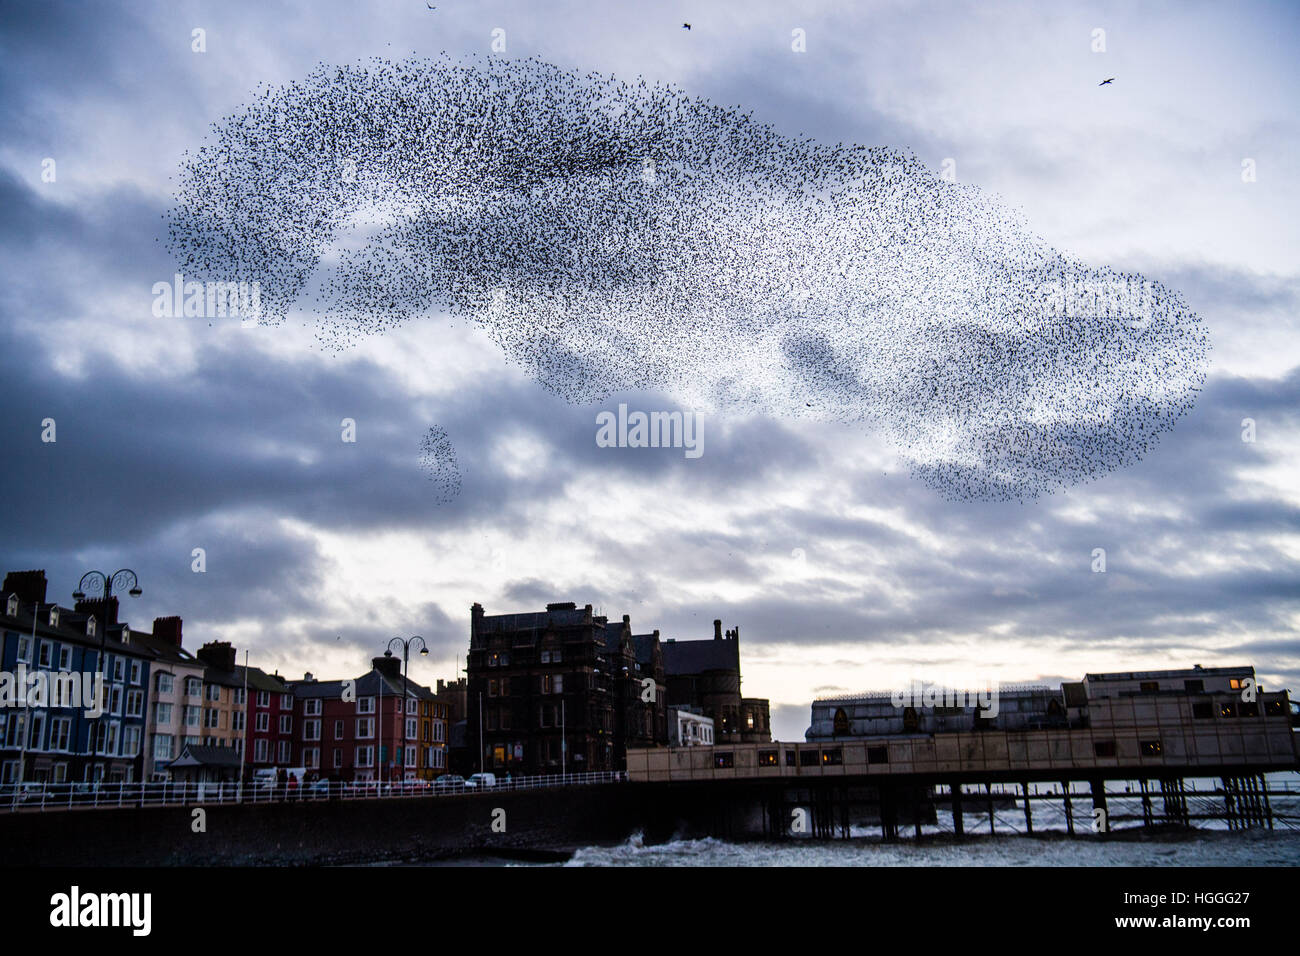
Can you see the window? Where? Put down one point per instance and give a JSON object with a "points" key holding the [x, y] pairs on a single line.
{"points": [[286, 701], [833, 757], [237, 721], [546, 657], [312, 707], [1149, 687], [45, 655], [211, 718], [338, 730], [238, 696], [135, 703], [25, 650], [164, 683], [162, 747], [311, 730], [61, 733], [119, 669], [1227, 709], [493, 686], [1274, 708], [131, 740], [37, 738], [263, 698], [282, 751], [193, 687], [286, 724], [65, 658], [311, 757], [116, 699], [1104, 748], [767, 758], [808, 758], [1150, 748], [1235, 683], [1202, 710], [338, 758], [365, 705], [1248, 708], [878, 755], [412, 706], [557, 656], [261, 750], [262, 723], [724, 760], [411, 728], [213, 693], [365, 757], [136, 671], [192, 716], [841, 722], [1194, 686], [17, 725], [365, 728], [162, 713]]}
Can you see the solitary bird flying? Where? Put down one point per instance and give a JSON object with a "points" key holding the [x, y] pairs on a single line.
{"points": [[686, 26], [1104, 82]]}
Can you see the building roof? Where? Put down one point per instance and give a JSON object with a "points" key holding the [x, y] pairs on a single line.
{"points": [[1198, 671], [644, 645], [202, 755], [71, 628], [368, 685]]}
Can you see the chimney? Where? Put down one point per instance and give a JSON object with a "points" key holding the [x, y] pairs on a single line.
{"points": [[168, 629], [627, 619], [388, 665], [564, 606], [106, 614], [28, 585], [218, 654], [308, 678], [717, 630]]}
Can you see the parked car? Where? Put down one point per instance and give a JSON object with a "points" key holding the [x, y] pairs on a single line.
{"points": [[318, 788], [481, 781], [449, 781]]}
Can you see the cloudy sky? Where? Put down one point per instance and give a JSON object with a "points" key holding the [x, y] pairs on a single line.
{"points": [[841, 571]]}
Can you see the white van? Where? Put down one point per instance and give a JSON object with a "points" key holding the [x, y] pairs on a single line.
{"points": [[481, 781]]}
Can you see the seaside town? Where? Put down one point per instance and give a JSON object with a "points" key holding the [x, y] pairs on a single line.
{"points": [[556, 692]]}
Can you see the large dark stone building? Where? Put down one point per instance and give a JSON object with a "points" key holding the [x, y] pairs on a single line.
{"points": [[561, 690], [705, 676], [566, 690]]}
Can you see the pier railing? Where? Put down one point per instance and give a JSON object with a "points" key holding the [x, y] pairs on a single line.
{"points": [[73, 796]]}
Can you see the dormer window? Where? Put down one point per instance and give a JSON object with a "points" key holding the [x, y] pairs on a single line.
{"points": [[54, 615], [90, 626], [12, 609], [126, 635]]}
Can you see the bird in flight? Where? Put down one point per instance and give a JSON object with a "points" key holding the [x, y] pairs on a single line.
{"points": [[1104, 82], [686, 26], [431, 6]]}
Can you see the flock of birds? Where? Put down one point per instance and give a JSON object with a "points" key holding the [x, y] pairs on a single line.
{"points": [[438, 462], [613, 235]]}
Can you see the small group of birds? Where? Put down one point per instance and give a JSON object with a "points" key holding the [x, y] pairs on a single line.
{"points": [[612, 235]]}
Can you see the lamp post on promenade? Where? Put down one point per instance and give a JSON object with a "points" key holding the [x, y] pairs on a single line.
{"points": [[124, 579], [405, 643]]}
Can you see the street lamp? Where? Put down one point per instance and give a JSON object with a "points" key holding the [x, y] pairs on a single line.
{"points": [[405, 643], [123, 579]]}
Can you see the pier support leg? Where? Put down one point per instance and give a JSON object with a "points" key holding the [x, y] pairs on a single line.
{"points": [[1029, 816], [1098, 788], [958, 824], [988, 788], [1069, 807]]}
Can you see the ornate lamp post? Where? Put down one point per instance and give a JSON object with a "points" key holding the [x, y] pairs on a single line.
{"points": [[405, 643], [123, 579]]}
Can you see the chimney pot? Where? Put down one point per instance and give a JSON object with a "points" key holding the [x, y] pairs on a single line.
{"points": [[717, 630]]}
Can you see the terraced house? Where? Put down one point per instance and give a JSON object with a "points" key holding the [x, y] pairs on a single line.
{"points": [[45, 737]]}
